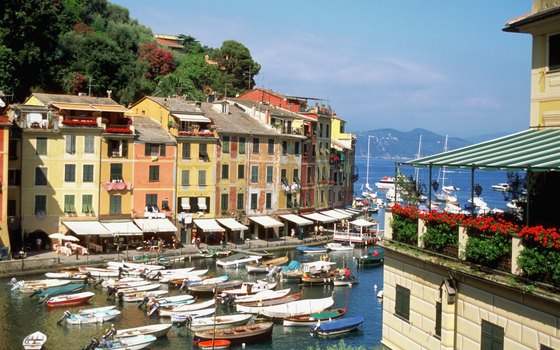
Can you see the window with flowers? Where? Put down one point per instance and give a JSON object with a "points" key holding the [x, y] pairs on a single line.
{"points": [[540, 259], [405, 224]]}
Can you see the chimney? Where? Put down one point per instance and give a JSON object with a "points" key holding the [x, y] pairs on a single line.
{"points": [[109, 92]]}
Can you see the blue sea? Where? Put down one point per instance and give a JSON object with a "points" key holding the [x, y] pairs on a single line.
{"points": [[460, 178]]}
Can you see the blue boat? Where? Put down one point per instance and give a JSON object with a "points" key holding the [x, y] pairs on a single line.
{"points": [[59, 290], [337, 326], [311, 250]]}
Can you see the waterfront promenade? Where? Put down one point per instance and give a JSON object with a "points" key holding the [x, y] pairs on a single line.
{"points": [[39, 262]]}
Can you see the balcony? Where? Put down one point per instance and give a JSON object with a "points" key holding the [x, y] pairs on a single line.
{"points": [[78, 123], [117, 186], [197, 133], [118, 129]]}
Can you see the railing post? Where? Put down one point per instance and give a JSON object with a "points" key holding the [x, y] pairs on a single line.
{"points": [[421, 231], [516, 249], [463, 239], [388, 230]]}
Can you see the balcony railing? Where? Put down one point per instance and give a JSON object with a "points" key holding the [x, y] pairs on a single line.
{"points": [[197, 132], [117, 186]]}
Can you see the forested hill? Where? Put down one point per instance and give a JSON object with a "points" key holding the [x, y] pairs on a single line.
{"points": [[71, 46], [394, 144]]}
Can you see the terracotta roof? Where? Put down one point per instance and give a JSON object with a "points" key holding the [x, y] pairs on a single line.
{"points": [[236, 122], [273, 110], [169, 43], [150, 131], [176, 104], [62, 98], [515, 24]]}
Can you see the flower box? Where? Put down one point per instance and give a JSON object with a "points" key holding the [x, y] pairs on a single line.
{"points": [[118, 131], [75, 122]]}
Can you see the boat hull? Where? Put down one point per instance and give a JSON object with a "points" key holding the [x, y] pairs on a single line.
{"points": [[157, 330], [220, 344], [70, 299], [34, 341], [237, 335]]}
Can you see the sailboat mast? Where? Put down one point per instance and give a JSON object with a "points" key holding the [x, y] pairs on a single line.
{"points": [[417, 170], [367, 166]]}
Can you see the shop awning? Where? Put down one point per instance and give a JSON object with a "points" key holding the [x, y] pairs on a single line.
{"points": [[296, 219], [535, 150], [111, 108], [336, 214], [266, 221], [192, 118], [348, 212], [319, 217], [232, 224], [122, 228], [75, 106], [362, 223], [208, 225], [85, 228], [155, 225]]}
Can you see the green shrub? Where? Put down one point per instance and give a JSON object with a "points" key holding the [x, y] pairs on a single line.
{"points": [[487, 250], [438, 236], [405, 230]]}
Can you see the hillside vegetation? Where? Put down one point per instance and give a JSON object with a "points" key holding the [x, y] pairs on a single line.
{"points": [[71, 46]]}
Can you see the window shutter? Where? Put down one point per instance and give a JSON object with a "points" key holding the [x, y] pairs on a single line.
{"points": [[162, 150], [125, 149], [147, 149]]}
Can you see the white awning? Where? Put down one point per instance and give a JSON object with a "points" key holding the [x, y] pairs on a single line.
{"points": [[122, 228], [155, 225], [319, 217], [336, 214], [296, 219], [266, 221], [362, 223], [232, 224], [84, 228], [185, 203], [208, 225], [202, 203], [348, 212], [192, 118]]}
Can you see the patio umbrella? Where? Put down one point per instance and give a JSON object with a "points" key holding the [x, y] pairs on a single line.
{"points": [[63, 237]]}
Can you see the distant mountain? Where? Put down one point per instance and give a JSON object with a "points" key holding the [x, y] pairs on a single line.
{"points": [[394, 144]]}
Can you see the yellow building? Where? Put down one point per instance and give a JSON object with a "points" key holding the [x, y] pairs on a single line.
{"points": [[342, 163], [431, 301]]}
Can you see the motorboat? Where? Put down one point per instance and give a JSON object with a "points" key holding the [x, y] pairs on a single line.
{"points": [[385, 183], [337, 247], [32, 286], [298, 307], [182, 317], [238, 259], [99, 272], [502, 187], [336, 326], [256, 307], [59, 290], [212, 288], [374, 257], [259, 296], [265, 265], [136, 342], [247, 288], [69, 299], [34, 341], [157, 330], [236, 335], [186, 283], [311, 250], [311, 319], [139, 296], [217, 322], [93, 317], [169, 311]]}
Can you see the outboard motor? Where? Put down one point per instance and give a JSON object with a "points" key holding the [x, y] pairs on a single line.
{"points": [[152, 307], [143, 302], [89, 276], [111, 291], [92, 345], [63, 317], [44, 299], [98, 283], [13, 282], [228, 300], [120, 295]]}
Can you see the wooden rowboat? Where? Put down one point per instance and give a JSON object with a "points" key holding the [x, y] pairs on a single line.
{"points": [[236, 335], [34, 341], [218, 344], [311, 319]]}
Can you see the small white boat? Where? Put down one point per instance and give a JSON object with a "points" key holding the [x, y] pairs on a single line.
{"points": [[32, 286], [131, 343], [298, 307], [69, 299], [96, 309], [236, 260], [224, 321], [502, 187], [335, 246], [144, 288], [95, 317], [247, 288], [98, 272], [139, 296], [175, 300], [183, 276], [195, 306], [134, 266], [67, 275], [157, 330], [183, 316], [122, 285], [34, 341], [160, 273], [260, 296]]}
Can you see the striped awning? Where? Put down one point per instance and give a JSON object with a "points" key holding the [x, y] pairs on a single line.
{"points": [[535, 150]]}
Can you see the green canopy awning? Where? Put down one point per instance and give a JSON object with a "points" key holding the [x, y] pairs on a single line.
{"points": [[535, 150]]}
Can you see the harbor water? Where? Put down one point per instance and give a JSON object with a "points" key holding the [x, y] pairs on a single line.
{"points": [[21, 315]]}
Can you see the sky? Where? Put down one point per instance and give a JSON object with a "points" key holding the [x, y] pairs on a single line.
{"points": [[445, 66]]}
